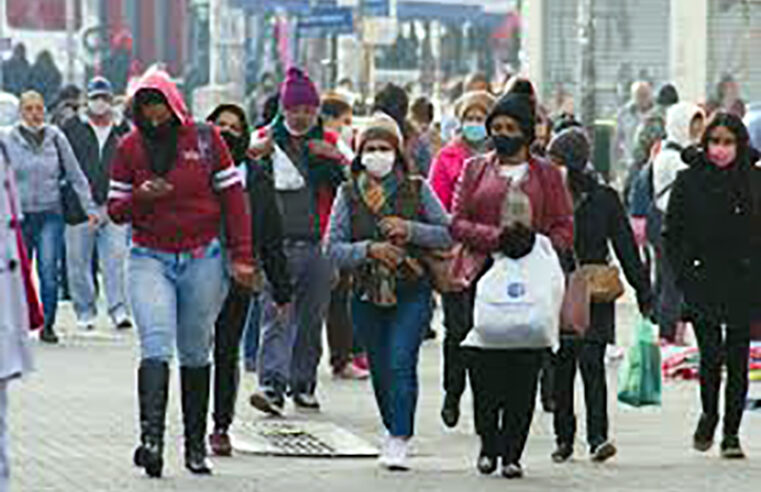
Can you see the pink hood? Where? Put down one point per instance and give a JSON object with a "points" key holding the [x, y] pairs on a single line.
{"points": [[160, 81], [446, 170]]}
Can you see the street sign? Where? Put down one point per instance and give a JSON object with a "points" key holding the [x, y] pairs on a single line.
{"points": [[375, 8], [261, 6], [322, 21]]}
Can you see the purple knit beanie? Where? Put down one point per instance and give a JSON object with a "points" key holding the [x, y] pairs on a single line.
{"points": [[298, 90]]}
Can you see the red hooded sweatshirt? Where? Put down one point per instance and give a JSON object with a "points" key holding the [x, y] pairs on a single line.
{"points": [[190, 216]]}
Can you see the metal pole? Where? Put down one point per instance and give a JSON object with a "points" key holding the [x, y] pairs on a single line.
{"points": [[71, 25], [2, 34], [587, 74], [215, 38]]}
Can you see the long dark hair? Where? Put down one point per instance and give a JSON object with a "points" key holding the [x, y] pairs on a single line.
{"points": [[735, 125]]}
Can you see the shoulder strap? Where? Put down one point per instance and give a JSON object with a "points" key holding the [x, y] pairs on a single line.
{"points": [[4, 152], [206, 144], [61, 167]]}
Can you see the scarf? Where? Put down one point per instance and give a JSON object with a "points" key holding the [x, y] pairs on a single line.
{"points": [[161, 144], [35, 138]]}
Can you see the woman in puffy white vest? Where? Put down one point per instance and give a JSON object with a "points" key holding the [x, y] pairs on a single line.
{"points": [[15, 357]]}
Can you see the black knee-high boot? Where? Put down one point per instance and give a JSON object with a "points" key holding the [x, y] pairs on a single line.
{"points": [[153, 390], [195, 382]]}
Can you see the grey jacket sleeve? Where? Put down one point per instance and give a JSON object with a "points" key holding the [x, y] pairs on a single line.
{"points": [[344, 253], [433, 231], [74, 173]]}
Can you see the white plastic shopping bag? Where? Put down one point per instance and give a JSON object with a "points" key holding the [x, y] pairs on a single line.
{"points": [[518, 302]]}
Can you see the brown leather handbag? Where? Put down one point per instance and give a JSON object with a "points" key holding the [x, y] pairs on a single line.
{"points": [[575, 313], [604, 282]]}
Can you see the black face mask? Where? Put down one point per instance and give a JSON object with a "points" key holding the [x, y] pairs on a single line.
{"points": [[163, 130], [507, 146], [236, 144]]}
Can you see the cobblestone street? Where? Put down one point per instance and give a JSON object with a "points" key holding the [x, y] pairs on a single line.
{"points": [[73, 429]]}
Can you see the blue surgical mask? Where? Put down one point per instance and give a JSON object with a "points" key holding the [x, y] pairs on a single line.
{"points": [[474, 132]]}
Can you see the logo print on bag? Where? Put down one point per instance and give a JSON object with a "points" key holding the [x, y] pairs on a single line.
{"points": [[516, 290]]}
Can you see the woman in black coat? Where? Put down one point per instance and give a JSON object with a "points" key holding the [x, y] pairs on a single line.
{"points": [[266, 228], [712, 230], [599, 221]]}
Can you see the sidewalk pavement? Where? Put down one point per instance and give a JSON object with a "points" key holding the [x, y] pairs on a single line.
{"points": [[73, 428]]}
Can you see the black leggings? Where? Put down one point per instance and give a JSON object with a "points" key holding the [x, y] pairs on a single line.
{"points": [[227, 337], [458, 320], [504, 384], [715, 350], [589, 357]]}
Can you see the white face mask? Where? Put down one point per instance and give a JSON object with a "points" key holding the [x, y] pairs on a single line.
{"points": [[379, 164], [98, 107]]}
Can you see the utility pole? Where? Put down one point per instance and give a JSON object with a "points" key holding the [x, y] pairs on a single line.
{"points": [[587, 74], [71, 48]]}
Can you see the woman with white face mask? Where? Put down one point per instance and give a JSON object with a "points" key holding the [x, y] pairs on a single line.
{"points": [[382, 219]]}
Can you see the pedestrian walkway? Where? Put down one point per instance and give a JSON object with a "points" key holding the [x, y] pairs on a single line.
{"points": [[73, 429]]}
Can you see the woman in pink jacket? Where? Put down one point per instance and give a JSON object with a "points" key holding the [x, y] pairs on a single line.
{"points": [[471, 111]]}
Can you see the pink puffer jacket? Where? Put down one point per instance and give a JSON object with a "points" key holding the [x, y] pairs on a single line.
{"points": [[446, 170]]}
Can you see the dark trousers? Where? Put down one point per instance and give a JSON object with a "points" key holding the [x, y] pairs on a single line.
{"points": [[589, 356], [339, 325], [504, 385], [716, 349], [228, 332], [458, 320]]}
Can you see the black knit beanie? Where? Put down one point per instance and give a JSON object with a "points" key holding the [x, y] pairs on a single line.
{"points": [[517, 107], [572, 147]]}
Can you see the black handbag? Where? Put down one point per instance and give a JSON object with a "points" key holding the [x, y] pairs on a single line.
{"points": [[73, 212]]}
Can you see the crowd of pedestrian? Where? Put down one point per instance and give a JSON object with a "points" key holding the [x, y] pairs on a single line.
{"points": [[224, 235]]}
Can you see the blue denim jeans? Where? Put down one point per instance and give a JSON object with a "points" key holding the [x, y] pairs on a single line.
{"points": [[43, 237], [392, 337], [251, 333], [176, 298], [111, 242], [291, 345]]}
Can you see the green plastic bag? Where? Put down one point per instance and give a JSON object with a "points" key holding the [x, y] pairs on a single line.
{"points": [[639, 380]]}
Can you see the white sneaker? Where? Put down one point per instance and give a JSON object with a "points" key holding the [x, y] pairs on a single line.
{"points": [[86, 325], [395, 455]]}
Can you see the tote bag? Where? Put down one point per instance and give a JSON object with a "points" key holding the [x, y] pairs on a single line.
{"points": [[518, 302]]}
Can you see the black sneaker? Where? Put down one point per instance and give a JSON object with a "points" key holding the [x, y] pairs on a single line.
{"points": [[125, 324], [306, 401], [268, 402], [486, 465], [450, 411], [702, 440], [603, 452], [562, 453], [512, 471], [730, 448], [48, 335]]}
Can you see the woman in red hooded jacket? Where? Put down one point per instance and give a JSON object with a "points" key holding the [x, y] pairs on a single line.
{"points": [[175, 183]]}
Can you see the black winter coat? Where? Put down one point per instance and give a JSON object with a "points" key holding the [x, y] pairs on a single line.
{"points": [[267, 229], [600, 221], [95, 165], [713, 240]]}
